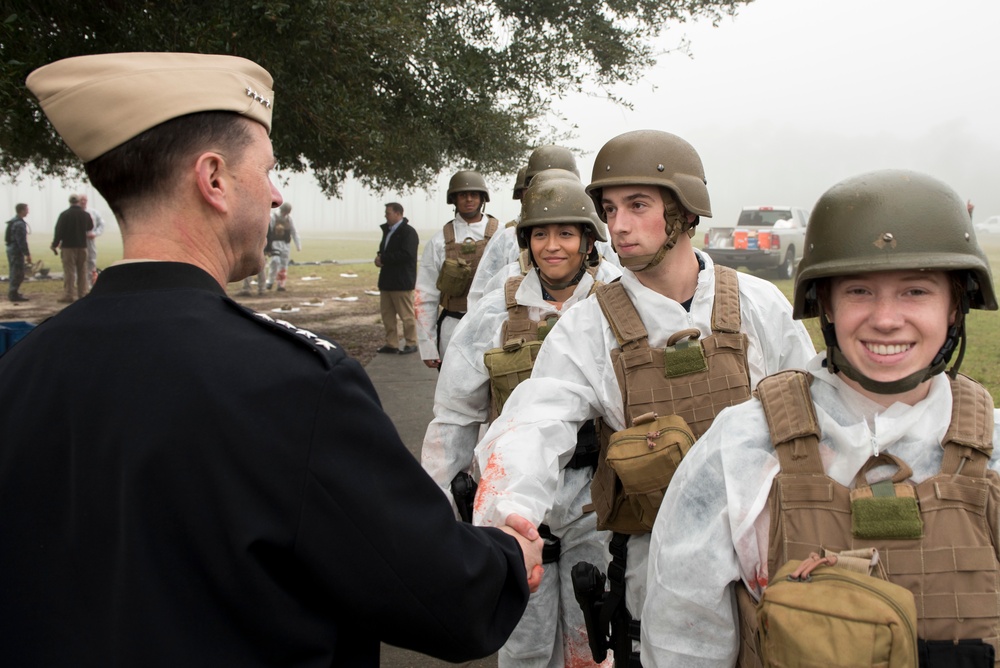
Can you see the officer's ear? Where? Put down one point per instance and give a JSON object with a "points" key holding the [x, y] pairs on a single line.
{"points": [[212, 177]]}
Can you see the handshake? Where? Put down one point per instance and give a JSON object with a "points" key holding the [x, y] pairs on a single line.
{"points": [[531, 546]]}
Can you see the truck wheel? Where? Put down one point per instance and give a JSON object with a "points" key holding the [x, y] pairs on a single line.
{"points": [[787, 268]]}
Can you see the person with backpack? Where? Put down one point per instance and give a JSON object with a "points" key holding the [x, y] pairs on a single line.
{"points": [[850, 508], [279, 242]]}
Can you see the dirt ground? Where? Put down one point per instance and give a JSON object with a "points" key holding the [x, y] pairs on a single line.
{"points": [[329, 299]]}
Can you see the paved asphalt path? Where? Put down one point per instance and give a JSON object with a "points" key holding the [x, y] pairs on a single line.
{"points": [[406, 388]]}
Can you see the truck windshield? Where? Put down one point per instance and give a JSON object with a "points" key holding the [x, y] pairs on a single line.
{"points": [[763, 217]]}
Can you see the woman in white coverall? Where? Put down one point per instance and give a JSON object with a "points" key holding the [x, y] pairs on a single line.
{"points": [[524, 454], [891, 265], [559, 226]]}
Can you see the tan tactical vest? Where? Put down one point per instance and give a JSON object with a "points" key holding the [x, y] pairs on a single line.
{"points": [[508, 365], [469, 251], [953, 571], [648, 384]]}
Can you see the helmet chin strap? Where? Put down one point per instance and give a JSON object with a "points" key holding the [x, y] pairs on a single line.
{"points": [[675, 223], [560, 286], [836, 361]]}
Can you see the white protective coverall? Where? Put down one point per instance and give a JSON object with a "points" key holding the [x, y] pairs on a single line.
{"points": [[523, 453], [552, 631], [426, 296], [712, 529]]}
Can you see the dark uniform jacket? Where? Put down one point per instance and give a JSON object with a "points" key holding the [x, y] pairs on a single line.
{"points": [[72, 227], [399, 257], [186, 483]]}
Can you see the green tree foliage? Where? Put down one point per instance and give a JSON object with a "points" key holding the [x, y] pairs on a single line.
{"points": [[389, 91]]}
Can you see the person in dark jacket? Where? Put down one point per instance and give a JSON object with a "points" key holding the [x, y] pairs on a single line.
{"points": [[153, 519], [16, 242], [70, 242], [397, 262]]}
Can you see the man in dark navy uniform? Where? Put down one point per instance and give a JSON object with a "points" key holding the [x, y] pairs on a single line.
{"points": [[147, 517]]}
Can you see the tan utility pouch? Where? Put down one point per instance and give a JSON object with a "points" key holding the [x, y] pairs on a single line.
{"points": [[507, 367], [645, 457], [455, 277], [828, 611]]}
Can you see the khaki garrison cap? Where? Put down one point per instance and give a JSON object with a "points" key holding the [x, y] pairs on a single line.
{"points": [[101, 101]]}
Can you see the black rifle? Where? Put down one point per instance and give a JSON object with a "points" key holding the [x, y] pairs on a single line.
{"points": [[588, 587], [463, 488]]}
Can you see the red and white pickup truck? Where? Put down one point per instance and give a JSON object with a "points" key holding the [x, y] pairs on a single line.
{"points": [[764, 237]]}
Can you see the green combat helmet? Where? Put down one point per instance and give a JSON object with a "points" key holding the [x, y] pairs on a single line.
{"points": [[654, 158], [519, 183], [563, 201], [889, 220], [550, 156], [467, 181], [553, 175]]}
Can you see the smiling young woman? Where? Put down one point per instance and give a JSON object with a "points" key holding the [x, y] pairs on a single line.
{"points": [[890, 269]]}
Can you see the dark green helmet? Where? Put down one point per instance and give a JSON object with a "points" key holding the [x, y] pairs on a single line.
{"points": [[467, 181], [885, 221]]}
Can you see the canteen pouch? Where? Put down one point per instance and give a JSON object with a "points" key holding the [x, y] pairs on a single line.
{"points": [[644, 458], [455, 277], [508, 366]]}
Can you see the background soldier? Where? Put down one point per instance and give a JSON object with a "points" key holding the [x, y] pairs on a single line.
{"points": [[16, 240], [449, 264]]}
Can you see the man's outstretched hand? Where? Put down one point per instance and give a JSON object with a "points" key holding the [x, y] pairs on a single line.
{"points": [[531, 545]]}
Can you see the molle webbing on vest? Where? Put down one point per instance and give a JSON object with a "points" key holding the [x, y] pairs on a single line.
{"points": [[518, 324], [697, 397], [973, 436], [953, 570], [512, 362], [471, 252], [791, 420]]}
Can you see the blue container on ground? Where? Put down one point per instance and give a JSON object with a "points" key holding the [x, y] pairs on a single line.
{"points": [[12, 332]]}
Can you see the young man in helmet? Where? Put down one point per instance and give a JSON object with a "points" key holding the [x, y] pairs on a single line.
{"points": [[891, 267], [449, 264], [649, 187], [492, 348]]}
